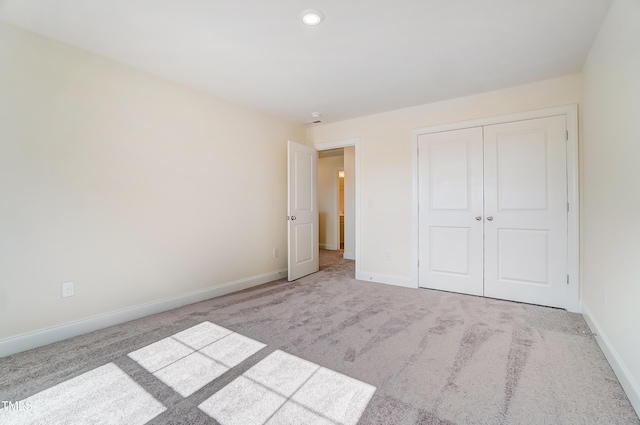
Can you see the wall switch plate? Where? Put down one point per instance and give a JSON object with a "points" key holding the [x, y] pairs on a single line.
{"points": [[275, 253], [67, 289], [387, 255]]}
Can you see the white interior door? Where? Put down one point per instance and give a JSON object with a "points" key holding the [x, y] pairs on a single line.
{"points": [[450, 211], [526, 211], [302, 211]]}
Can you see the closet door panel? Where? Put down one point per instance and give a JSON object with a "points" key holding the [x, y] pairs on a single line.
{"points": [[450, 199], [526, 211]]}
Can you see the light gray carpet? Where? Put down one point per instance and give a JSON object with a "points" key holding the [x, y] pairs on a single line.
{"points": [[433, 357]]}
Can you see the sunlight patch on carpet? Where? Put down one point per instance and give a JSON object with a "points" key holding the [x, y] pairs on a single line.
{"points": [[189, 360], [285, 389], [105, 395]]}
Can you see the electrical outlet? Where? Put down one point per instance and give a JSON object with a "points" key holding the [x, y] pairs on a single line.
{"points": [[275, 253], [387, 255], [67, 289]]}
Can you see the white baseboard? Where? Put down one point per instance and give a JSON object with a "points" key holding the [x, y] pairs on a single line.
{"points": [[628, 382], [348, 256], [328, 246], [404, 281], [27, 341]]}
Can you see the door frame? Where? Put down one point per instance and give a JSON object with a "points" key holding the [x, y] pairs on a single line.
{"points": [[573, 224], [355, 142]]}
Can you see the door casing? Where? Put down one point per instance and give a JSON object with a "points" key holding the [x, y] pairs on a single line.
{"points": [[573, 242]]}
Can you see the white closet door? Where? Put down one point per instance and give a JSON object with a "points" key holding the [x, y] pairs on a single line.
{"points": [[526, 211], [450, 211]]}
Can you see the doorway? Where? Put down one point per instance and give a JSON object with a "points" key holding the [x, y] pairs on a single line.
{"points": [[302, 206], [348, 150], [341, 208], [330, 198], [336, 200]]}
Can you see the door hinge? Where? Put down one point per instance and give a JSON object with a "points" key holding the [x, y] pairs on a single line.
{"points": [[567, 207], [567, 136], [567, 279]]}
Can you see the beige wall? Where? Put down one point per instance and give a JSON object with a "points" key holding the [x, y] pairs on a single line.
{"points": [[386, 178], [611, 186], [328, 200], [133, 187]]}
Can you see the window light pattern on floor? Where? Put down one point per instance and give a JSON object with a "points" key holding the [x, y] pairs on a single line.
{"points": [[189, 360], [285, 389], [104, 395]]}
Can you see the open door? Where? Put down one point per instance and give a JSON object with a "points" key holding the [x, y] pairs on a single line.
{"points": [[302, 210]]}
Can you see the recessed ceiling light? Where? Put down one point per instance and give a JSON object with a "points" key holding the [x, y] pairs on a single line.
{"points": [[312, 17]]}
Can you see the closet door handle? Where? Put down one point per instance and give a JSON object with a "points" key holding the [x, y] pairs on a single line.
{"points": [[490, 218], [478, 217]]}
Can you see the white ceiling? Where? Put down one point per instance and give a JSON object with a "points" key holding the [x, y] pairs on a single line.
{"points": [[368, 56]]}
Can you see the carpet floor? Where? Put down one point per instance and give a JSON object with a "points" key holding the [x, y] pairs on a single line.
{"points": [[325, 349]]}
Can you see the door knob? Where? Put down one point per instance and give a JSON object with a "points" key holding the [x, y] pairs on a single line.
{"points": [[293, 217], [490, 218], [478, 217]]}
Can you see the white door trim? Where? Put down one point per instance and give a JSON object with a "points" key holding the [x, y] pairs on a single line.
{"points": [[573, 236], [355, 142]]}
